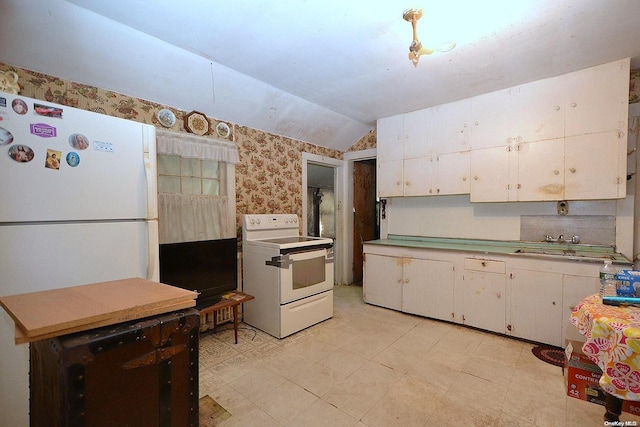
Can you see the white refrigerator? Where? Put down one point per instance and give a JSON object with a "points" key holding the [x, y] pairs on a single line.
{"points": [[78, 205]]}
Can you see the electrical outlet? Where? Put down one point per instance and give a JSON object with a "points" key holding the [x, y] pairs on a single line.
{"points": [[563, 207]]}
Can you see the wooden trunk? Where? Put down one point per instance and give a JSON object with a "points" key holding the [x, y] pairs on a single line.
{"points": [[139, 373]]}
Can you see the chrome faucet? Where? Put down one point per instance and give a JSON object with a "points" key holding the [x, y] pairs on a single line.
{"points": [[574, 239]]}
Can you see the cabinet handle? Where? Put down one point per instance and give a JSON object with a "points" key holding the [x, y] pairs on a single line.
{"points": [[573, 104], [573, 170], [406, 280], [556, 172], [437, 190], [557, 108], [430, 190], [484, 264], [475, 178], [477, 123], [407, 183], [464, 178], [498, 294], [519, 186]]}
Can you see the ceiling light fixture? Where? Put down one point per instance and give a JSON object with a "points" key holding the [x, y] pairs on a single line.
{"points": [[415, 48]]}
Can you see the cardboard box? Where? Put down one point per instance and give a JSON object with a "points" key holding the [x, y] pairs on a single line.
{"points": [[582, 378], [628, 283]]}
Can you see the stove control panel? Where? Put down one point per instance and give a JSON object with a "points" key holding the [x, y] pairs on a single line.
{"points": [[269, 222]]}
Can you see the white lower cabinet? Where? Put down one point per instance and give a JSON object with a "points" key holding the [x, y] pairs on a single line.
{"points": [[574, 290], [535, 306], [382, 281], [521, 297], [411, 285], [428, 288], [480, 296]]}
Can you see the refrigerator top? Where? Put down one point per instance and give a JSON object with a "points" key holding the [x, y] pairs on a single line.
{"points": [[59, 163]]}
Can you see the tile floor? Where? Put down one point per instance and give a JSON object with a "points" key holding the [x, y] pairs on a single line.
{"points": [[369, 366]]}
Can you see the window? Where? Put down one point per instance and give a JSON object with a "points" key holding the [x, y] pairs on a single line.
{"points": [[196, 187], [190, 176]]}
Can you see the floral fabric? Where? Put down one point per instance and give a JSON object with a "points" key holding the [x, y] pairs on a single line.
{"points": [[613, 343]]}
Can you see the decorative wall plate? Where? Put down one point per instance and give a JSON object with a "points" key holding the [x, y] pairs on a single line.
{"points": [[166, 118], [196, 122], [222, 129]]}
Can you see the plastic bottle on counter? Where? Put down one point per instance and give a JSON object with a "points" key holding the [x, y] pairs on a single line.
{"points": [[607, 280]]}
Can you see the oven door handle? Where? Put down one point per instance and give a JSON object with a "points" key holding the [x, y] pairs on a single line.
{"points": [[281, 261]]}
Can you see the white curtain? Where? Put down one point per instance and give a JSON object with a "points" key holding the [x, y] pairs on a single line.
{"points": [[195, 217], [192, 217], [196, 147]]}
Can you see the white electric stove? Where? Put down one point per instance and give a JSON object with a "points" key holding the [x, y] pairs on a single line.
{"points": [[290, 275]]}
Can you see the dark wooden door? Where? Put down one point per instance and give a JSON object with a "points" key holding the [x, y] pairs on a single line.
{"points": [[364, 201]]}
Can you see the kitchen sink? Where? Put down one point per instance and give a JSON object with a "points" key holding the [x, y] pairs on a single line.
{"points": [[570, 253]]}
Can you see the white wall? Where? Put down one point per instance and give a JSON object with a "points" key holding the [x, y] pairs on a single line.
{"points": [[456, 217], [61, 39]]}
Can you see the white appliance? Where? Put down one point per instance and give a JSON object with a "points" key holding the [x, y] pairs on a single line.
{"points": [[290, 275], [78, 205]]}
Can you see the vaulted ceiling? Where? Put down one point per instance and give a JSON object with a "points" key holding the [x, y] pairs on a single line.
{"points": [[322, 71]]}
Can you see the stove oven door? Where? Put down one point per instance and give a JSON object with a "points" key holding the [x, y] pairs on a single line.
{"points": [[303, 272]]}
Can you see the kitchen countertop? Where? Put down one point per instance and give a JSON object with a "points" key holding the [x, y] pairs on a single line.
{"points": [[561, 251]]}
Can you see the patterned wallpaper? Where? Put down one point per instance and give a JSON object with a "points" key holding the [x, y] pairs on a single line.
{"points": [[269, 176]]}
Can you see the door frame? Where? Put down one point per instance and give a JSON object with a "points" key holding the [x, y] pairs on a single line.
{"points": [[347, 213], [338, 179]]}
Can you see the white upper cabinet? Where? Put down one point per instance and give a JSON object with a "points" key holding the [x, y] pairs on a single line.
{"points": [[540, 170], [597, 99], [390, 138], [490, 113], [417, 134], [525, 113], [554, 139], [390, 178], [537, 111], [452, 175], [595, 166], [491, 174], [451, 129], [420, 176]]}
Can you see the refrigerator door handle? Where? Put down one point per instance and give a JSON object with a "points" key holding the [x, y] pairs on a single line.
{"points": [[153, 264], [151, 171]]}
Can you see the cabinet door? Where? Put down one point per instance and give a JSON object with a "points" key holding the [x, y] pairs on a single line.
{"points": [[389, 179], [428, 288], [452, 176], [451, 131], [540, 170], [595, 166], [535, 309], [417, 134], [490, 174], [491, 114], [538, 110], [390, 138], [483, 300], [597, 99], [419, 176], [574, 290], [382, 281]]}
